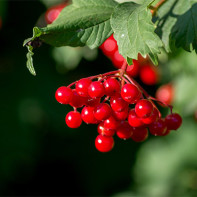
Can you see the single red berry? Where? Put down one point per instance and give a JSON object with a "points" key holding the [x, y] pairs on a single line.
{"points": [[129, 93], [142, 61], [53, 12], [104, 144], [111, 123], [152, 118], [143, 108], [77, 101], [173, 121], [102, 111], [92, 102], [149, 74], [109, 46], [103, 131], [112, 86], [87, 115], [96, 89], [134, 120], [133, 70], [63, 95], [117, 103], [158, 128], [165, 94], [140, 134], [117, 59], [82, 87], [121, 115], [73, 119], [124, 131]]}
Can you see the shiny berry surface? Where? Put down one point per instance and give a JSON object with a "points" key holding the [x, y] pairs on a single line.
{"points": [[129, 93], [82, 87], [104, 144], [124, 131], [121, 115], [133, 70], [152, 118], [140, 134], [134, 120], [158, 128], [118, 103], [112, 86], [173, 121], [77, 101], [102, 111], [73, 119], [111, 123], [87, 115], [63, 95], [96, 89], [143, 108], [103, 131]]}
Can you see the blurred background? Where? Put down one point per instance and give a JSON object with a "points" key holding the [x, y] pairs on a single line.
{"points": [[40, 155]]}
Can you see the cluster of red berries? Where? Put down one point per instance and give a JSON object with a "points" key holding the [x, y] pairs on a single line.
{"points": [[142, 67], [118, 105]]}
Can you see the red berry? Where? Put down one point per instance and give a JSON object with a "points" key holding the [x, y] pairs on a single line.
{"points": [[129, 93], [92, 102], [87, 115], [117, 59], [173, 121], [143, 108], [165, 94], [64, 95], [77, 101], [152, 118], [109, 46], [139, 134], [133, 119], [121, 115], [96, 89], [73, 119], [158, 128], [103, 143], [102, 111], [53, 12], [103, 131], [112, 86], [117, 103], [133, 70], [149, 74], [124, 131], [82, 87], [111, 123]]}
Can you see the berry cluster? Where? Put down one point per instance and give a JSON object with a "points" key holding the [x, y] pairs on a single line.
{"points": [[119, 105], [142, 67]]}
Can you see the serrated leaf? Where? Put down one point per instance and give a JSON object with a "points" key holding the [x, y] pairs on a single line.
{"points": [[134, 31], [177, 24]]}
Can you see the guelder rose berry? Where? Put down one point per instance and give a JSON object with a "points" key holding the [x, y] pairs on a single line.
{"points": [[103, 131], [64, 95], [124, 131], [173, 121], [73, 119], [112, 86], [143, 108], [82, 87], [102, 111], [104, 143], [96, 89]]}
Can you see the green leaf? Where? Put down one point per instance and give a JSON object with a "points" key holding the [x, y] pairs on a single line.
{"points": [[30, 60], [134, 31], [177, 24], [129, 61]]}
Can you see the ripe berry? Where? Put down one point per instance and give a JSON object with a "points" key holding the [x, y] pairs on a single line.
{"points": [[73, 119], [158, 128], [121, 115], [103, 143], [152, 118], [165, 94], [103, 131], [129, 93], [139, 134], [87, 115], [92, 102], [149, 74], [102, 111], [117, 59], [134, 120], [112, 86], [64, 95], [173, 121], [111, 123], [117, 103], [133, 70], [124, 131], [109, 46], [96, 89], [77, 101], [82, 87], [53, 12], [143, 108]]}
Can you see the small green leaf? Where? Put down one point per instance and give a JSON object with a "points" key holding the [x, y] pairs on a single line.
{"points": [[30, 60], [129, 61], [134, 31]]}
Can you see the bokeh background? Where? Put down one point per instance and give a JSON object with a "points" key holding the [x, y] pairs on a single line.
{"points": [[40, 155]]}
